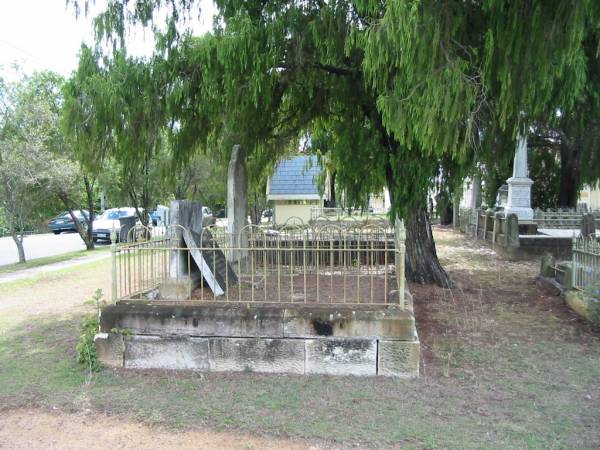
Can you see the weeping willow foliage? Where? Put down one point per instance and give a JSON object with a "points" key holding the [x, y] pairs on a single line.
{"points": [[404, 90]]}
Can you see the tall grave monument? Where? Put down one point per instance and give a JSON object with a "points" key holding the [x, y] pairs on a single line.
{"points": [[237, 203], [519, 185]]}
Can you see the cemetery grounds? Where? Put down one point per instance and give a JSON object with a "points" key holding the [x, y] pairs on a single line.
{"points": [[505, 364]]}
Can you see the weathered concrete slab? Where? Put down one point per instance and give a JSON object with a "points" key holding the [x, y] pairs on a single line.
{"points": [[257, 355], [110, 348], [391, 322], [399, 358], [193, 320], [153, 352], [341, 356]]}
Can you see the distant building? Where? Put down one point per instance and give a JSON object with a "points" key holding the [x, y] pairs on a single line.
{"points": [[591, 197], [294, 188]]}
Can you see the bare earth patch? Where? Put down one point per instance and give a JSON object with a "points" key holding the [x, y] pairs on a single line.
{"points": [[32, 429]]}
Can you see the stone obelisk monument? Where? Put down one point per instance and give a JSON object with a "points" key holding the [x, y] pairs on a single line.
{"points": [[519, 185]]}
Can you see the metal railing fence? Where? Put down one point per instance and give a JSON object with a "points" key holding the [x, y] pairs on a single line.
{"points": [[321, 213], [297, 264], [586, 263]]}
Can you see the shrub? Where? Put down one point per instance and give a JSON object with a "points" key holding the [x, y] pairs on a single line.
{"points": [[86, 349]]}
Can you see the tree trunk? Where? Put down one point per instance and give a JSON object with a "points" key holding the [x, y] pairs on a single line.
{"points": [[89, 191], [85, 235], [570, 156], [19, 243], [422, 264]]}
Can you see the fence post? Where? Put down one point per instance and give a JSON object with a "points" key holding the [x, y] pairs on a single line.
{"points": [[400, 259], [573, 264], [113, 253]]}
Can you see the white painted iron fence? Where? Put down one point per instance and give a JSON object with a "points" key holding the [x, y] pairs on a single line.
{"points": [[334, 264], [586, 263], [338, 214]]}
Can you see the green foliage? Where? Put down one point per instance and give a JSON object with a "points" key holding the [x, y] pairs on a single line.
{"points": [[87, 354], [544, 170]]}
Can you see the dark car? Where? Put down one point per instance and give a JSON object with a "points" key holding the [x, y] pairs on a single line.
{"points": [[64, 222]]}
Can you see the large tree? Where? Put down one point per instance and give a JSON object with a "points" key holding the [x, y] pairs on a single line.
{"points": [[404, 86]]}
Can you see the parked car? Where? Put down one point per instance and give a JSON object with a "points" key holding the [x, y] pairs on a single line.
{"points": [[113, 219], [160, 215], [64, 221], [154, 217]]}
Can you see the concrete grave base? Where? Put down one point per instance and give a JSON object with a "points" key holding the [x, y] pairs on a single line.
{"points": [[274, 338]]}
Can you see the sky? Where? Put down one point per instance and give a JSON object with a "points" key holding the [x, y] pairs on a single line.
{"points": [[45, 35]]}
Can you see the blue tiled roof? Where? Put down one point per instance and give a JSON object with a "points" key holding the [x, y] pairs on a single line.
{"points": [[296, 176]]}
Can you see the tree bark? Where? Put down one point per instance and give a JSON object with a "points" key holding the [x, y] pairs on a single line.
{"points": [[19, 243], [570, 156], [85, 235], [89, 192], [422, 263]]}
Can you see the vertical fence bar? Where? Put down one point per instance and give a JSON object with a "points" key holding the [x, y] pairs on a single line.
{"points": [[400, 264], [113, 251], [574, 262], [304, 237]]}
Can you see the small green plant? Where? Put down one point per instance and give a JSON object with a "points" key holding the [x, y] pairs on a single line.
{"points": [[86, 349]]}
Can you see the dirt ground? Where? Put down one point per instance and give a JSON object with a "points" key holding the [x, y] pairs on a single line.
{"points": [[35, 429]]}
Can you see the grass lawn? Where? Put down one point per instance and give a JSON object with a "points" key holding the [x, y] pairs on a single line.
{"points": [[37, 262], [505, 365]]}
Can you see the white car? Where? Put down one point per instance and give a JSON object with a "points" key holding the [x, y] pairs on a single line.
{"points": [[112, 219]]}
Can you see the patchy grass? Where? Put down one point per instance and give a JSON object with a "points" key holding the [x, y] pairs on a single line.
{"points": [[505, 365], [37, 262]]}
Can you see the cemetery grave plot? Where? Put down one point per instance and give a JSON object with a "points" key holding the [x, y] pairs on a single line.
{"points": [[335, 288], [304, 301]]}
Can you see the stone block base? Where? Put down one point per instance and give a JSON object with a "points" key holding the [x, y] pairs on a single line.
{"points": [[327, 356], [299, 339]]}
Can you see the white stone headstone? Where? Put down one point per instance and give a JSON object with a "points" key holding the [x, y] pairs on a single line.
{"points": [[519, 185]]}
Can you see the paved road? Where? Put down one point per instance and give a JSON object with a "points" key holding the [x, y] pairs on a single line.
{"points": [[40, 245]]}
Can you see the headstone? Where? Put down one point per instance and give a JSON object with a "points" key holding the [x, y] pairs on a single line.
{"points": [[588, 225], [519, 185], [456, 211], [476, 193], [183, 214], [511, 233], [212, 262], [237, 203]]}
